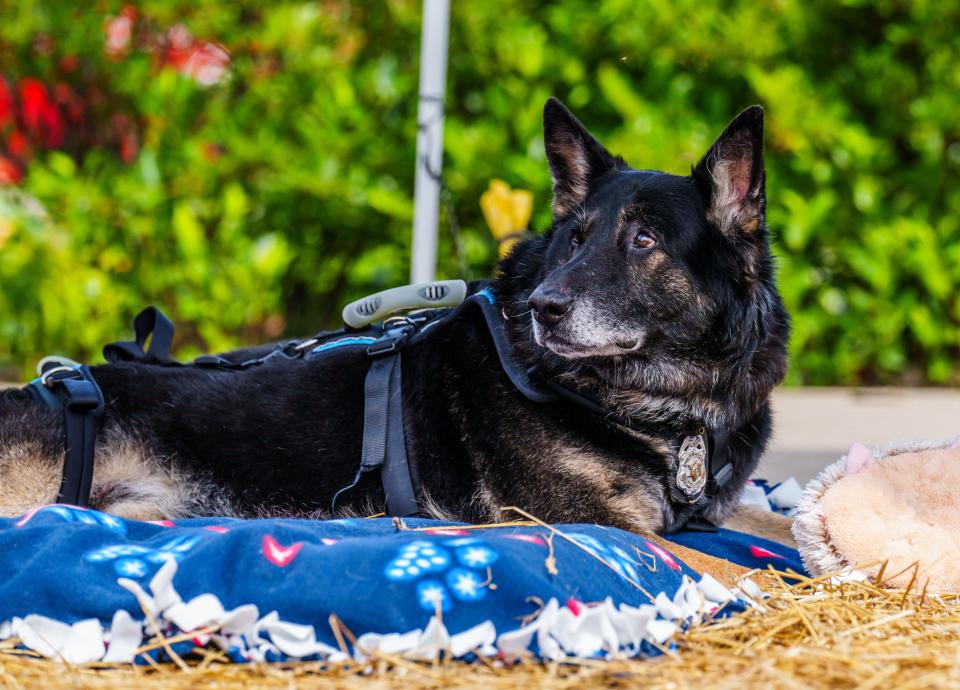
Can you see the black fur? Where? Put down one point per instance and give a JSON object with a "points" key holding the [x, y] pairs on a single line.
{"points": [[684, 332]]}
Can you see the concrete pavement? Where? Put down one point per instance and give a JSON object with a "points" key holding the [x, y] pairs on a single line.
{"points": [[815, 426]]}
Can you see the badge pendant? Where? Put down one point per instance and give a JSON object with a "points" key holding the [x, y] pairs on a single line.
{"points": [[692, 467]]}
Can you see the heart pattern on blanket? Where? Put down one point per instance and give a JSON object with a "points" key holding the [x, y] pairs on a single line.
{"points": [[280, 555], [760, 552]]}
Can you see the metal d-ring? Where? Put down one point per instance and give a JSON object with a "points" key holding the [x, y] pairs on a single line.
{"points": [[45, 376]]}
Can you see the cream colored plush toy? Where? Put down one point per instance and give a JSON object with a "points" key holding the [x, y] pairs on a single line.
{"points": [[899, 504]]}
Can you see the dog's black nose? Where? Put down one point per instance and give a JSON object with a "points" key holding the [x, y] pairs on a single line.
{"points": [[549, 306]]}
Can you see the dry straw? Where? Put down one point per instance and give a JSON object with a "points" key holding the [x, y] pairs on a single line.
{"points": [[811, 634]]}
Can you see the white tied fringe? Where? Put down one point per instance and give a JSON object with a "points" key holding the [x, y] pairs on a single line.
{"points": [[604, 630]]}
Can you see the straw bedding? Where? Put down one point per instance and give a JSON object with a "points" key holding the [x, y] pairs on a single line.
{"points": [[813, 634]]}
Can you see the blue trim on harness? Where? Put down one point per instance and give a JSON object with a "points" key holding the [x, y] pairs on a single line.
{"points": [[488, 293], [342, 342], [43, 394]]}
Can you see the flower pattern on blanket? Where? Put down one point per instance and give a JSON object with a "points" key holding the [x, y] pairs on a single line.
{"points": [[426, 562], [616, 557], [136, 562], [75, 514]]}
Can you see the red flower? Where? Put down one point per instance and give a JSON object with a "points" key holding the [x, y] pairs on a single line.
{"points": [[33, 98], [119, 32], [6, 103], [9, 172], [205, 63], [69, 63], [40, 115], [17, 144], [126, 135]]}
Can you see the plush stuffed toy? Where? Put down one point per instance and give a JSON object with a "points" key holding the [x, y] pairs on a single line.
{"points": [[899, 505]]}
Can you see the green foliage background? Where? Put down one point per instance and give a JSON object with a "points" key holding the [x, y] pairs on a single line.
{"points": [[307, 202]]}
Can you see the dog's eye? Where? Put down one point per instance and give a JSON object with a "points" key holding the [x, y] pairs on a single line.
{"points": [[576, 238], [643, 240]]}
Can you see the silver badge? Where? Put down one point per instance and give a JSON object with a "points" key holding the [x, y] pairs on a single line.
{"points": [[692, 466]]}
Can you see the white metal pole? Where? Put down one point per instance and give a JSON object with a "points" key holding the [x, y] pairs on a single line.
{"points": [[433, 77]]}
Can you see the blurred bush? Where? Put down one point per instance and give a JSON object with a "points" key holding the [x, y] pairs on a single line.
{"points": [[248, 166]]}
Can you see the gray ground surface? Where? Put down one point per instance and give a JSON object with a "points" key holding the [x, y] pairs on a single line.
{"points": [[814, 426]]}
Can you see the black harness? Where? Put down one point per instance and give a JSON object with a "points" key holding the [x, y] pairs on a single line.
{"points": [[72, 389]]}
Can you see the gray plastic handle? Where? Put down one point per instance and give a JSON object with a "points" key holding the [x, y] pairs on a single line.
{"points": [[438, 293]]}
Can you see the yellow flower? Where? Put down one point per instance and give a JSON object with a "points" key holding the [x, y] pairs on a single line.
{"points": [[507, 212], [6, 230]]}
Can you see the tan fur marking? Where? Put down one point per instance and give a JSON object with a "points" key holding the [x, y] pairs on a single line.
{"points": [[762, 523], [28, 478], [364, 509], [434, 510], [637, 507], [492, 506], [129, 483]]}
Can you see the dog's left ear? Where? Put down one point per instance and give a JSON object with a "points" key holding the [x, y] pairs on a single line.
{"points": [[576, 158], [731, 175]]}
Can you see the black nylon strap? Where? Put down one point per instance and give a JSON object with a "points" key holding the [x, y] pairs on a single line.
{"points": [[384, 446], [79, 396], [149, 323], [77, 478], [518, 376], [395, 475]]}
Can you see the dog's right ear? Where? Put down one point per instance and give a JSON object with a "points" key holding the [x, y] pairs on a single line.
{"points": [[576, 158], [731, 175]]}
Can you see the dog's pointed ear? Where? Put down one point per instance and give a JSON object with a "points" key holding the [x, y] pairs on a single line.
{"points": [[731, 175], [576, 158]]}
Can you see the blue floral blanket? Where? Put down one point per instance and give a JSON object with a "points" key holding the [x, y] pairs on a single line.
{"points": [[86, 586]]}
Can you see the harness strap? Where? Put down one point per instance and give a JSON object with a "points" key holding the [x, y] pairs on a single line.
{"points": [[149, 323], [384, 443], [74, 390], [519, 377]]}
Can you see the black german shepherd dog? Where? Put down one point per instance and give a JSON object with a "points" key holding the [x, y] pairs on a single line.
{"points": [[654, 292]]}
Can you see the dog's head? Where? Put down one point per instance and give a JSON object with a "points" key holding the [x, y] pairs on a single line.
{"points": [[639, 260]]}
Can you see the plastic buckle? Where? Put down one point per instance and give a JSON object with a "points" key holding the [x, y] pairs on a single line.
{"points": [[724, 475], [384, 346], [392, 341], [82, 395]]}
